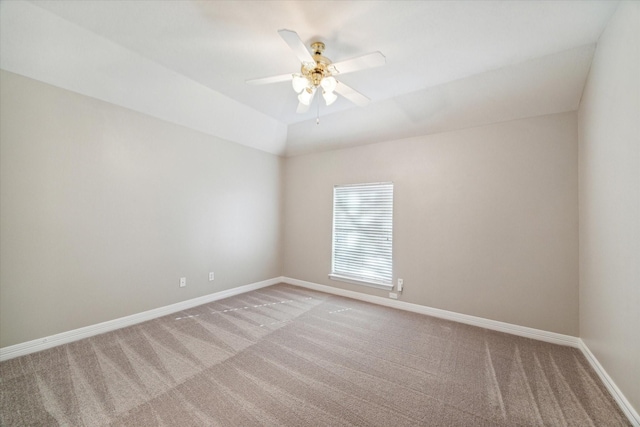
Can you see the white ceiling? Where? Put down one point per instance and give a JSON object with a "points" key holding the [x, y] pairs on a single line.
{"points": [[450, 64]]}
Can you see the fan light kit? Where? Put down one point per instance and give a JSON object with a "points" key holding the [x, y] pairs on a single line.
{"points": [[318, 73], [314, 75]]}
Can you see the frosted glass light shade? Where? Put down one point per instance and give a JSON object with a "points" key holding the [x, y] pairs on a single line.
{"points": [[299, 82], [329, 97], [306, 96], [329, 83]]}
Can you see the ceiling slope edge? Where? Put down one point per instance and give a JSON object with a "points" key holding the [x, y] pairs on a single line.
{"points": [[547, 85], [40, 45]]}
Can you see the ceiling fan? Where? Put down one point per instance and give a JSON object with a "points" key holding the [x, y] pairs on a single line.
{"points": [[318, 73]]}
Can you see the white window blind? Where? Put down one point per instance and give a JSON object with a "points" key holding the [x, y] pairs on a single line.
{"points": [[363, 233]]}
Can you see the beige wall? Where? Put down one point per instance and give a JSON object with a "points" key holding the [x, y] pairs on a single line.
{"points": [[485, 219], [609, 134], [103, 210]]}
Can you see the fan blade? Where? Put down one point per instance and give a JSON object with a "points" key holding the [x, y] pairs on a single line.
{"points": [[296, 45], [272, 79], [370, 60], [352, 95]]}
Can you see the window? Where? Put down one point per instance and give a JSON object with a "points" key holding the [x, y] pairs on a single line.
{"points": [[363, 234]]}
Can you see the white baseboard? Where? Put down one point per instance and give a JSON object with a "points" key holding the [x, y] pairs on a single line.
{"points": [[495, 325], [40, 344], [615, 392]]}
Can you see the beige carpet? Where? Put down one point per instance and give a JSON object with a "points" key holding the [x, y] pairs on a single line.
{"points": [[285, 356]]}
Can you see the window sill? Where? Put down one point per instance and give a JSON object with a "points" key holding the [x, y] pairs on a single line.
{"points": [[379, 285]]}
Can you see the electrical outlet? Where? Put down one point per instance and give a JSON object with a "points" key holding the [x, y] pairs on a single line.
{"points": [[211, 276], [400, 285], [393, 295], [183, 282]]}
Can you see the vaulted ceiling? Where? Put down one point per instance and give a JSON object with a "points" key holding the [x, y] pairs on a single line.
{"points": [[450, 64]]}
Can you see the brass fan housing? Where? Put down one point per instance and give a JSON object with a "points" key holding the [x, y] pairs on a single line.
{"points": [[316, 72]]}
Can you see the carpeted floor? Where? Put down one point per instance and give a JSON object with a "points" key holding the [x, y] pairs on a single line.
{"points": [[285, 356]]}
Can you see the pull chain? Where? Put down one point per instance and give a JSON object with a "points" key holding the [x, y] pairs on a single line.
{"points": [[318, 113]]}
